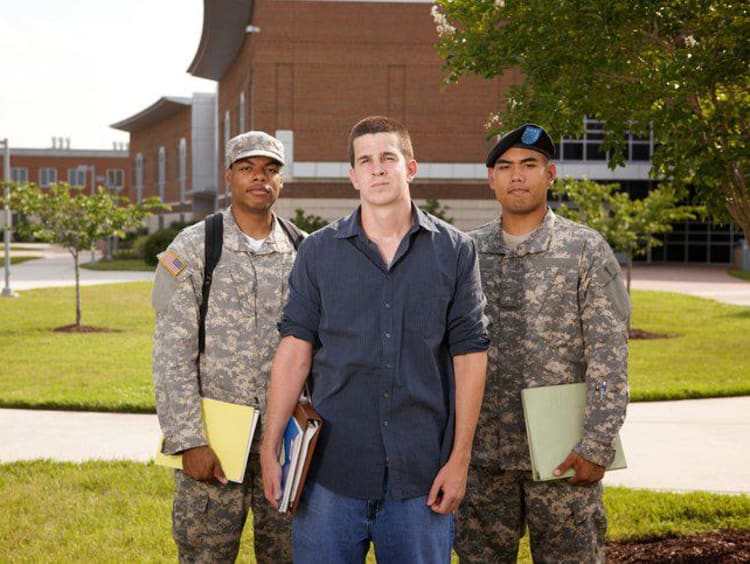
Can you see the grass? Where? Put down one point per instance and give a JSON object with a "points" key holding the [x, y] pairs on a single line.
{"points": [[120, 511], [119, 264], [112, 371], [742, 274], [17, 259], [706, 357], [88, 371]]}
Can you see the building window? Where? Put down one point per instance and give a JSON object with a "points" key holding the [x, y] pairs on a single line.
{"points": [[115, 178], [139, 177], [241, 120], [77, 177], [47, 176], [19, 174]]}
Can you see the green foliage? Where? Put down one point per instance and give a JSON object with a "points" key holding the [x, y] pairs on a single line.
{"points": [[157, 242], [68, 217], [434, 207], [629, 226], [677, 67], [308, 222], [65, 215]]}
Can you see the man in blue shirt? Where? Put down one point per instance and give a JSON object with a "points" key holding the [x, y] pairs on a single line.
{"points": [[386, 311]]}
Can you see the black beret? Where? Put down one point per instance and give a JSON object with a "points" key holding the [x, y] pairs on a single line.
{"points": [[528, 136]]}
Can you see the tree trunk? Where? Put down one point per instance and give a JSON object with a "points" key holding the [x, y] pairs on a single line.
{"points": [[78, 289]]}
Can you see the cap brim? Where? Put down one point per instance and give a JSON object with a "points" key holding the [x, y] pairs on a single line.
{"points": [[258, 153]]}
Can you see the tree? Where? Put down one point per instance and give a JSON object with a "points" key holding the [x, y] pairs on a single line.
{"points": [[308, 222], [629, 226], [433, 206], [64, 215], [677, 68]]}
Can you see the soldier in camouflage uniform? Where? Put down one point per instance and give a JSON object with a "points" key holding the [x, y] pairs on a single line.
{"points": [[559, 313], [248, 291]]}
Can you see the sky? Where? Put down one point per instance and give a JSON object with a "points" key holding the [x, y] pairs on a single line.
{"points": [[72, 68]]}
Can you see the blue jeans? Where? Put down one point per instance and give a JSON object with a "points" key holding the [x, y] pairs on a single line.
{"points": [[336, 529]]}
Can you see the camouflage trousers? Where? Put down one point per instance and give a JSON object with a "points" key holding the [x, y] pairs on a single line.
{"points": [[208, 518], [567, 524]]}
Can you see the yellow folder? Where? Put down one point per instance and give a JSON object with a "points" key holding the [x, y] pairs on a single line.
{"points": [[229, 429], [554, 425]]}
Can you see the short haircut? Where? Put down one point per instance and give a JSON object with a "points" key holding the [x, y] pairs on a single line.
{"points": [[381, 124]]}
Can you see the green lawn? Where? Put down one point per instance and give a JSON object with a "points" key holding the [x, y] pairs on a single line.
{"points": [[88, 371], [119, 264], [707, 357], [743, 274], [16, 259], [120, 512]]}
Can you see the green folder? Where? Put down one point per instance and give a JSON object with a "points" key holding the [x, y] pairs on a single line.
{"points": [[554, 425], [229, 429]]}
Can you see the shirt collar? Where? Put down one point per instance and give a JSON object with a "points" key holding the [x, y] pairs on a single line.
{"points": [[539, 240], [351, 225], [277, 240]]}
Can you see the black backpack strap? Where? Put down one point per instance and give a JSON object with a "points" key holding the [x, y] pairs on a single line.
{"points": [[292, 231], [214, 242]]}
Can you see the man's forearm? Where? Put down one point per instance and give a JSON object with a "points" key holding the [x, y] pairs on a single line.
{"points": [[291, 365], [471, 372]]}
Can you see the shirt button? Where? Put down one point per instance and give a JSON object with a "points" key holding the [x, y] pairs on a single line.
{"points": [[387, 335], [385, 423], [385, 394], [388, 365], [387, 306]]}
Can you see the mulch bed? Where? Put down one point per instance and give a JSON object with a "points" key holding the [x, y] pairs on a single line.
{"points": [[714, 547], [83, 329]]}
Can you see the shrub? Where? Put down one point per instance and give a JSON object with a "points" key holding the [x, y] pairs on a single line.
{"points": [[156, 243], [308, 222]]}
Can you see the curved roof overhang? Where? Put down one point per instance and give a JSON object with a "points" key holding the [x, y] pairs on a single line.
{"points": [[160, 110], [224, 31]]}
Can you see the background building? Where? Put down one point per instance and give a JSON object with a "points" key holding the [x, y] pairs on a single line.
{"points": [[78, 167], [307, 70]]}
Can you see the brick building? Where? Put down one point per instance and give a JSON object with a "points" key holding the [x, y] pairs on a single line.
{"points": [[60, 163], [307, 70], [173, 148]]}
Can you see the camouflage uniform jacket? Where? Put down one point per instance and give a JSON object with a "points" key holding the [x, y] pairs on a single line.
{"points": [[247, 293], [558, 311]]}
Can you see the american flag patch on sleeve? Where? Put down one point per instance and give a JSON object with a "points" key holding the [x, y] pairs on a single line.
{"points": [[171, 262]]}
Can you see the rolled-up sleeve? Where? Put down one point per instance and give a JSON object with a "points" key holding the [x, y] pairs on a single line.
{"points": [[467, 324], [301, 314]]}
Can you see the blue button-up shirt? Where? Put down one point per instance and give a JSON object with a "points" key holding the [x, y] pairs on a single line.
{"points": [[384, 337]]}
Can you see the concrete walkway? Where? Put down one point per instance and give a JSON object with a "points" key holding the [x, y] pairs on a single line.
{"points": [[703, 281], [54, 268], [676, 446]]}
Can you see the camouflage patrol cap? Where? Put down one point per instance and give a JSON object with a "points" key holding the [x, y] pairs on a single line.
{"points": [[253, 144], [528, 136]]}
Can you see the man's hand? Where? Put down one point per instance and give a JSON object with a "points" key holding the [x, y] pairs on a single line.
{"points": [[271, 472], [201, 463], [585, 473], [448, 488]]}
